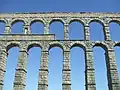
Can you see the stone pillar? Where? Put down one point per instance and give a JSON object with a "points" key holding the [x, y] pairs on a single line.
{"points": [[27, 29], [107, 33], [43, 73], [7, 29], [66, 76], [86, 33], [20, 74], [46, 29], [89, 70], [112, 73], [3, 57], [66, 32]]}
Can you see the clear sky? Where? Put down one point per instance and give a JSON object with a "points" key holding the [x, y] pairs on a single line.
{"points": [[55, 57]]}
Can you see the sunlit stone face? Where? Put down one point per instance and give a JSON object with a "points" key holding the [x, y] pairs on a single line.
{"points": [[25, 39]]}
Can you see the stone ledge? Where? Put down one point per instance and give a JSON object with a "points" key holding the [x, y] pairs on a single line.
{"points": [[27, 37]]}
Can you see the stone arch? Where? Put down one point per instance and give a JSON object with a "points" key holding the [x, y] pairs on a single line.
{"points": [[53, 26], [56, 44], [33, 44], [40, 24], [3, 21], [97, 20], [79, 30], [77, 44], [116, 44], [13, 21], [56, 20], [77, 20], [102, 24], [37, 20], [9, 45], [114, 20], [102, 45], [18, 21]]}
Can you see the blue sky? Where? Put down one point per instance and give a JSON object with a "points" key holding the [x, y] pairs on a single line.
{"points": [[55, 57]]}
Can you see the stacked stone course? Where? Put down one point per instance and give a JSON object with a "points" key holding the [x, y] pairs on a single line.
{"points": [[46, 41]]}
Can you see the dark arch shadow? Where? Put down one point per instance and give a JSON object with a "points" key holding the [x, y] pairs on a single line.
{"points": [[56, 45], [33, 45], [78, 45], [11, 45]]}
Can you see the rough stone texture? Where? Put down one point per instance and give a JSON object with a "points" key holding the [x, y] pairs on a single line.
{"points": [[43, 74], [46, 41], [20, 74]]}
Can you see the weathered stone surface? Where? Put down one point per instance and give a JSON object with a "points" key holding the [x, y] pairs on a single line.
{"points": [[26, 40]]}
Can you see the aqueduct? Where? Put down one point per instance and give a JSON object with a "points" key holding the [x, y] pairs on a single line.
{"points": [[27, 40]]}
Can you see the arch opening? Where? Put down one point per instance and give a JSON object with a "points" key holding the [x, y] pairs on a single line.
{"points": [[12, 60], [77, 68], [2, 27], [37, 27], [33, 67], [76, 31], [114, 30], [100, 68], [96, 31], [17, 27], [33, 45], [55, 68], [57, 28]]}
